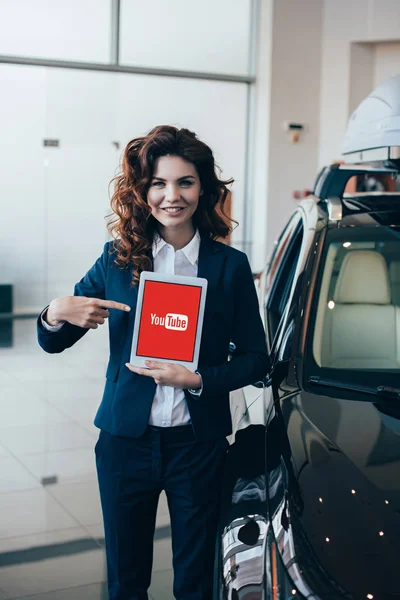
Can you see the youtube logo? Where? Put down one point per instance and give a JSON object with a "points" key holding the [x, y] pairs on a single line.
{"points": [[174, 321], [169, 321]]}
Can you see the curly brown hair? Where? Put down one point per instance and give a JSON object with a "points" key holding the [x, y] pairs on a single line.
{"points": [[132, 225]]}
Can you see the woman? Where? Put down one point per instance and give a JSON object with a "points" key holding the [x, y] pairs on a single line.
{"points": [[164, 427]]}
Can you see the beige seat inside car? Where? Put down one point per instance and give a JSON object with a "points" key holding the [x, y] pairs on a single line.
{"points": [[361, 331]]}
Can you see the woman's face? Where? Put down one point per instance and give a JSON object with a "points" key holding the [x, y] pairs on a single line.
{"points": [[174, 191]]}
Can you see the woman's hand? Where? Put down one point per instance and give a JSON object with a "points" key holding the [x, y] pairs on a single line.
{"points": [[81, 311], [168, 374]]}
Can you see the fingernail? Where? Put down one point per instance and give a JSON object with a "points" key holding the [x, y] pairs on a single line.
{"points": [[127, 308]]}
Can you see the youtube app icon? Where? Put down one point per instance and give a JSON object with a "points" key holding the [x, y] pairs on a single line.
{"points": [[169, 321]]}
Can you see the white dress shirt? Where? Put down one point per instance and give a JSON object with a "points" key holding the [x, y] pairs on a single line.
{"points": [[169, 407]]}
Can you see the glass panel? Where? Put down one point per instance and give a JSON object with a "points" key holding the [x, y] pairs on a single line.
{"points": [[77, 202], [278, 253], [80, 106], [22, 202], [358, 311], [81, 115], [211, 36], [77, 30], [277, 301]]}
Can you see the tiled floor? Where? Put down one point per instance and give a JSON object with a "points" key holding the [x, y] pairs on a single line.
{"points": [[51, 536]]}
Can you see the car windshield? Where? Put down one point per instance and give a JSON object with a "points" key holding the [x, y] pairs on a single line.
{"points": [[357, 318]]}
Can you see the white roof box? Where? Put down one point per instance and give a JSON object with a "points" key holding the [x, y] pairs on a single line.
{"points": [[373, 132]]}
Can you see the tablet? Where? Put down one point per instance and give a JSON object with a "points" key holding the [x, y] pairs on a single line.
{"points": [[169, 319]]}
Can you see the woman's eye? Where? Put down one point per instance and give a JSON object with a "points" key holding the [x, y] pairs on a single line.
{"points": [[160, 184]]}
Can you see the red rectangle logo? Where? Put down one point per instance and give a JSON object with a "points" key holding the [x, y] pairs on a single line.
{"points": [[168, 322]]}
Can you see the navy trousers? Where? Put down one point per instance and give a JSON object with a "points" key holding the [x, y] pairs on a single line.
{"points": [[131, 474]]}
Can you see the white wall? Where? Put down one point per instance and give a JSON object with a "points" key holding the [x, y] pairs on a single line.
{"points": [[324, 58], [293, 77], [343, 85], [386, 61], [371, 63], [362, 58]]}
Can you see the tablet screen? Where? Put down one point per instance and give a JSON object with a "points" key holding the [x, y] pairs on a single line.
{"points": [[168, 321]]}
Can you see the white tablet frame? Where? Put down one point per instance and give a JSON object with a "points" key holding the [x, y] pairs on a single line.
{"points": [[139, 361]]}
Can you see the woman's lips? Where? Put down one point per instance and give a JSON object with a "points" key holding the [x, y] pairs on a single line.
{"points": [[173, 210]]}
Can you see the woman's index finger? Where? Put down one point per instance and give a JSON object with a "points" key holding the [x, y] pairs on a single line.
{"points": [[113, 304]]}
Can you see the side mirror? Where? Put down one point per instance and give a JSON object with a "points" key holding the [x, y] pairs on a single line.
{"points": [[248, 534]]}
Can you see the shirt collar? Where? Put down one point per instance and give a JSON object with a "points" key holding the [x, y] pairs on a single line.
{"points": [[191, 250]]}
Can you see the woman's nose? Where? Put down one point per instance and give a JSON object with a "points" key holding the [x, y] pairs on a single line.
{"points": [[172, 193]]}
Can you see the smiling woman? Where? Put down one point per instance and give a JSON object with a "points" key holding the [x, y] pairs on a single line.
{"points": [[164, 427]]}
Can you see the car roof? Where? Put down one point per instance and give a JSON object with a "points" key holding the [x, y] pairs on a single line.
{"points": [[358, 209]]}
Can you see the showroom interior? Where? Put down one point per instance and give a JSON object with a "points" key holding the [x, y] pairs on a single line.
{"points": [[268, 84]]}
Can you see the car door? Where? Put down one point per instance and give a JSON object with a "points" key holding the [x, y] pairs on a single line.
{"points": [[284, 316], [274, 283], [252, 404], [284, 283], [244, 513], [344, 440]]}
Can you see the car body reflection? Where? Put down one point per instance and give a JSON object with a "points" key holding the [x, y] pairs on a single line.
{"points": [[244, 520]]}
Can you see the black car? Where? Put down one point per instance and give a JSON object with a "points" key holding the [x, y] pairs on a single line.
{"points": [[311, 500]]}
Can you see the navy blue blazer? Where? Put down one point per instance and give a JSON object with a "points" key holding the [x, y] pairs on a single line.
{"points": [[231, 313]]}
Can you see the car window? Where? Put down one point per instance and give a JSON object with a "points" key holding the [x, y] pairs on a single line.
{"points": [[357, 308], [281, 284], [280, 247]]}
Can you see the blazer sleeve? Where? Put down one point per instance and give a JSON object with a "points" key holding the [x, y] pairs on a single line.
{"points": [[92, 285], [250, 360]]}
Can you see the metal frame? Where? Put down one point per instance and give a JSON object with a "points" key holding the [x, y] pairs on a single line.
{"points": [[250, 128], [115, 68], [115, 30]]}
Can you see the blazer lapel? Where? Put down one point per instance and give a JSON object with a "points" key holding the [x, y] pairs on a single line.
{"points": [[128, 295], [210, 266]]}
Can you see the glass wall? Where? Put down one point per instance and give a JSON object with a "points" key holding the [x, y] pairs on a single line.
{"points": [[211, 36], [56, 197]]}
